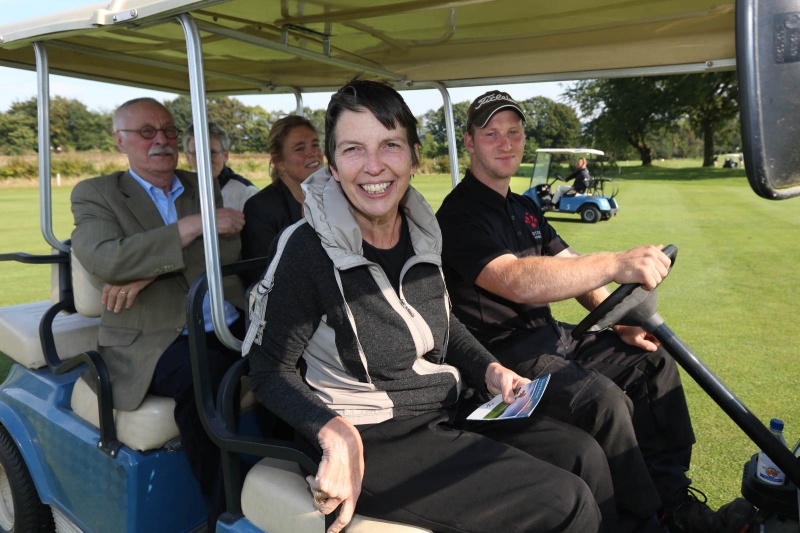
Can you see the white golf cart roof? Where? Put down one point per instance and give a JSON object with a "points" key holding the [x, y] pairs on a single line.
{"points": [[576, 151], [262, 46]]}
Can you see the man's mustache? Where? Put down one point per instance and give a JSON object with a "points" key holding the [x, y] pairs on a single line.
{"points": [[161, 150]]}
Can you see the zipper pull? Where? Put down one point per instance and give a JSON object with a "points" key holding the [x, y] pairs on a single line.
{"points": [[406, 307]]}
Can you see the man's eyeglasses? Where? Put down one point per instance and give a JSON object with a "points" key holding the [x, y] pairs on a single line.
{"points": [[149, 132]]}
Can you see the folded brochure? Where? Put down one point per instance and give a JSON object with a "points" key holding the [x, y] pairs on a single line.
{"points": [[527, 398]]}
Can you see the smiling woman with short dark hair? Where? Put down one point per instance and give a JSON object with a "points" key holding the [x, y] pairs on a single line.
{"points": [[355, 297]]}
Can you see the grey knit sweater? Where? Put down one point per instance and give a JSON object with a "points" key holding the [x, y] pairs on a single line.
{"points": [[370, 353]]}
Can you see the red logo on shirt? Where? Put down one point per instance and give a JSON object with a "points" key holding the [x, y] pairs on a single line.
{"points": [[530, 220]]}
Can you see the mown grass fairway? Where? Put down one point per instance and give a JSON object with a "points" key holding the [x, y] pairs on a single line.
{"points": [[731, 296]]}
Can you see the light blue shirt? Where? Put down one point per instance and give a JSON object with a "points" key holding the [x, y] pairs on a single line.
{"points": [[165, 203]]}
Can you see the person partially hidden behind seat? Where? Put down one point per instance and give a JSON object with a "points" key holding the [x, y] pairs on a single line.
{"points": [[582, 181], [236, 189], [295, 153], [355, 293], [140, 232]]}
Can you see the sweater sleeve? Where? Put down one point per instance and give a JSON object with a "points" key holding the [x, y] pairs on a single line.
{"points": [[292, 314], [468, 355]]}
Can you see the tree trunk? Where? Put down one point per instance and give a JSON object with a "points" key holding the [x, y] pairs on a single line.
{"points": [[708, 143], [645, 152]]}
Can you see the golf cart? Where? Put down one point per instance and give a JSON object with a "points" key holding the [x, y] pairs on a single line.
{"points": [[729, 160], [597, 202], [68, 460]]}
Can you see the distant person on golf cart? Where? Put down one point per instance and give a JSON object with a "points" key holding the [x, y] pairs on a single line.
{"points": [[236, 189], [140, 232], [504, 263], [582, 181]]}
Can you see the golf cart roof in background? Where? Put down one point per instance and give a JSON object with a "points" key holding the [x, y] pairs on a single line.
{"points": [[576, 151], [261, 46]]}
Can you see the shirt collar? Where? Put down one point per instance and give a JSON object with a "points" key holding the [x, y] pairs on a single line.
{"points": [[224, 176], [478, 191], [175, 190]]}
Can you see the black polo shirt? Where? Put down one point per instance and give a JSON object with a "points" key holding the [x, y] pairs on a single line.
{"points": [[479, 225]]}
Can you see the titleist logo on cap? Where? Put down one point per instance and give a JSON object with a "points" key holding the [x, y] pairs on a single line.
{"points": [[493, 98]]}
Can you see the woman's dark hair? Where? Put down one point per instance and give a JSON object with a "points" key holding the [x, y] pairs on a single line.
{"points": [[277, 138], [378, 98]]}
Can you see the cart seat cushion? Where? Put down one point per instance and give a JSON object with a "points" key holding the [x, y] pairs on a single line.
{"points": [[276, 498], [147, 428], [19, 333]]}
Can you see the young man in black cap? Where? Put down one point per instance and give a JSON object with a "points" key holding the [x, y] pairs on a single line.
{"points": [[504, 264]]}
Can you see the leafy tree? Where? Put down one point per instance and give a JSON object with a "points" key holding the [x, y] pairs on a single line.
{"points": [[728, 137], [19, 128], [661, 116], [74, 127], [317, 118], [624, 111], [181, 109], [433, 123], [430, 148], [549, 124], [710, 101], [17, 134], [230, 114], [255, 131], [678, 141]]}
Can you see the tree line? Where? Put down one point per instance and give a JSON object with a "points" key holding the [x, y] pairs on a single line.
{"points": [[628, 118]]}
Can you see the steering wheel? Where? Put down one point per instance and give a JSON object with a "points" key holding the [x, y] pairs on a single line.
{"points": [[629, 305]]}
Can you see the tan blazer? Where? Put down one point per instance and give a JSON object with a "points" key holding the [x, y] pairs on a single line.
{"points": [[119, 236]]}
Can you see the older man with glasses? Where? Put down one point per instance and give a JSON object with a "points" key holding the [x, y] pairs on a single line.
{"points": [[236, 190], [140, 232]]}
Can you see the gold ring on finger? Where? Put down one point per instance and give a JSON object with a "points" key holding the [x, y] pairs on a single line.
{"points": [[319, 497]]}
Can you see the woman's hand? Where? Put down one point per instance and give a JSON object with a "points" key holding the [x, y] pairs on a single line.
{"points": [[500, 380], [338, 479], [115, 297]]}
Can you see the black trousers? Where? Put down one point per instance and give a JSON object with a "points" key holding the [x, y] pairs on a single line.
{"points": [[173, 379], [594, 382], [529, 475]]}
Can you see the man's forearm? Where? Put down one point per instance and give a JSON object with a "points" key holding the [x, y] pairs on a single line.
{"points": [[189, 228], [592, 299], [542, 280]]}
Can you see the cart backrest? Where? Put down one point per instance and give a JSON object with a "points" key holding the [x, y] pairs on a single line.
{"points": [[87, 289], [73, 333]]}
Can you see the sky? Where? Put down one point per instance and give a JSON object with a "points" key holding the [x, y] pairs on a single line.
{"points": [[19, 85]]}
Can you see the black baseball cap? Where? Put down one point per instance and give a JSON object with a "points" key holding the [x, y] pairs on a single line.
{"points": [[483, 108]]}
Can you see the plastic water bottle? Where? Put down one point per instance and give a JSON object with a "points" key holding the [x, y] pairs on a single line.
{"points": [[766, 471]]}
